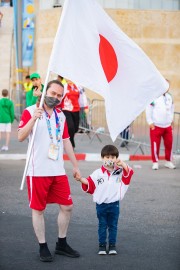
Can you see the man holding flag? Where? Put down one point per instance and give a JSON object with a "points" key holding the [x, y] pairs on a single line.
{"points": [[46, 178]]}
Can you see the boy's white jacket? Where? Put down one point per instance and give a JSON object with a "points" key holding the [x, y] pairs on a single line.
{"points": [[108, 187]]}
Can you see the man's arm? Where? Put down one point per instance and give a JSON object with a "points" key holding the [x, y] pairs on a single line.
{"points": [[24, 132], [69, 150], [149, 120]]}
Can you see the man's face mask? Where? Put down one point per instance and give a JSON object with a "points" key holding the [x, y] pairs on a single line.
{"points": [[51, 102]]}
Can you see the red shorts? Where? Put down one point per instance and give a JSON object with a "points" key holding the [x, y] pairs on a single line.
{"points": [[50, 189]]}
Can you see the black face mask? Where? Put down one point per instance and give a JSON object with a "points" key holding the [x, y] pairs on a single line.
{"points": [[51, 102]]}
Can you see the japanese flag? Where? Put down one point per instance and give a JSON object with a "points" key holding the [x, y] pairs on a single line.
{"points": [[91, 50]]}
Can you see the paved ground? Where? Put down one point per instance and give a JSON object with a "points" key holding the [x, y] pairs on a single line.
{"points": [[148, 232]]}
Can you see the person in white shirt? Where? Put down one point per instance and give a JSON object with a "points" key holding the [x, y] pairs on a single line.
{"points": [[47, 181], [159, 116], [108, 185]]}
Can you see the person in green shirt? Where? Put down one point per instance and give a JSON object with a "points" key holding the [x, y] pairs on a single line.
{"points": [[6, 117], [36, 91]]}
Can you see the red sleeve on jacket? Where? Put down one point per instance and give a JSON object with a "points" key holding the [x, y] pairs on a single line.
{"points": [[25, 117], [90, 188], [126, 176], [65, 132]]}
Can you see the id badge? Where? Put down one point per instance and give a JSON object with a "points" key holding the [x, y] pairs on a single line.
{"points": [[53, 151]]}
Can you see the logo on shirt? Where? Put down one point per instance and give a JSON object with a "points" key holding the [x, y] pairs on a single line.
{"points": [[100, 181]]}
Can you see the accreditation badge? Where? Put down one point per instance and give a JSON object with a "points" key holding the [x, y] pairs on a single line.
{"points": [[53, 151]]}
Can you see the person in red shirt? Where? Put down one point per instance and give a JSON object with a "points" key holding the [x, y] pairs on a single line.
{"points": [[71, 105]]}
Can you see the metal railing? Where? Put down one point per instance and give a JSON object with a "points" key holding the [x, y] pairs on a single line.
{"points": [[137, 133]]}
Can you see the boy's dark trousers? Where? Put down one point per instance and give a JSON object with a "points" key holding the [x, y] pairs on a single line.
{"points": [[108, 215]]}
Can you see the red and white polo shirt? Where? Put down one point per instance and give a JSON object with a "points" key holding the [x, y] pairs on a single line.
{"points": [[40, 164], [108, 187]]}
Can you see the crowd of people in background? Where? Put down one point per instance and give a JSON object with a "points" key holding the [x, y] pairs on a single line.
{"points": [[74, 105]]}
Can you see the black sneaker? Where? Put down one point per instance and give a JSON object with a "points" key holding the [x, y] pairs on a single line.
{"points": [[112, 250], [67, 251], [102, 250], [45, 254]]}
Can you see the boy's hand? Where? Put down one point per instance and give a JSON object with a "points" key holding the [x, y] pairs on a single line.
{"points": [[119, 163]]}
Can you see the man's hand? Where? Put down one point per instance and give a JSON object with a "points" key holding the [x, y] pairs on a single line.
{"points": [[152, 126], [77, 176], [76, 173], [37, 113]]}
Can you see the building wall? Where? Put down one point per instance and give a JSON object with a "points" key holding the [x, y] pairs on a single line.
{"points": [[125, 4], [6, 31], [156, 32]]}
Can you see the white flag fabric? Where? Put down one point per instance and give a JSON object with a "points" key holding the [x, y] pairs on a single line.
{"points": [[91, 50]]}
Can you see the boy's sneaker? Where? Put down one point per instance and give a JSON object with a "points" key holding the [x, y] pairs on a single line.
{"points": [[102, 250], [67, 251], [45, 254], [155, 166], [4, 148], [170, 165], [112, 250]]}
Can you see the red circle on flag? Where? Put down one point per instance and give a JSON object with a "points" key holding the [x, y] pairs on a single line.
{"points": [[108, 58]]}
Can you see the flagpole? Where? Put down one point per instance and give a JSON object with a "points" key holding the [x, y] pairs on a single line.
{"points": [[34, 132]]}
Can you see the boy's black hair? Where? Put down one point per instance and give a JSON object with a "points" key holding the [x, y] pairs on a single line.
{"points": [[109, 150], [27, 77]]}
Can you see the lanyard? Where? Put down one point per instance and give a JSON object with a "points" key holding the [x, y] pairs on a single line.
{"points": [[57, 126]]}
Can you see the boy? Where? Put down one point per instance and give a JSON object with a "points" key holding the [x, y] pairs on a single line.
{"points": [[108, 186], [6, 117]]}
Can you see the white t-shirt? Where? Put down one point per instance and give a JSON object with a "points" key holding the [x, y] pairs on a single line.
{"points": [[40, 164]]}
